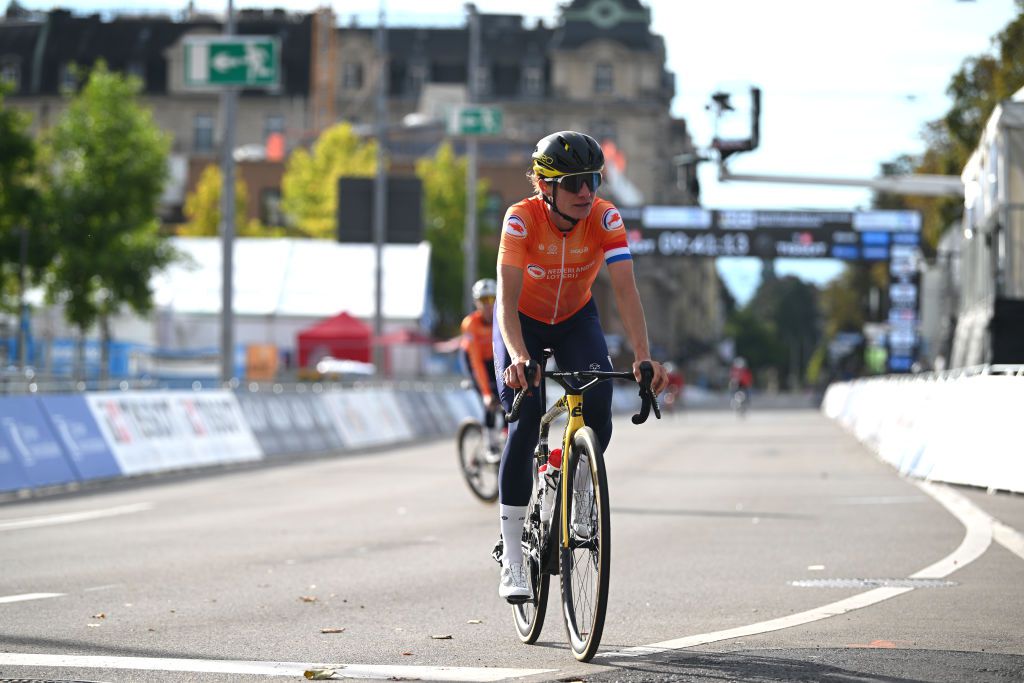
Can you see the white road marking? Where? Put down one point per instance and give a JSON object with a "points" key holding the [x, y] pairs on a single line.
{"points": [[979, 534], [28, 596], [227, 666], [71, 517], [1009, 538]]}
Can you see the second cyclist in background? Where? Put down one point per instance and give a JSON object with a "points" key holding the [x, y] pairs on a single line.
{"points": [[740, 382], [478, 354]]}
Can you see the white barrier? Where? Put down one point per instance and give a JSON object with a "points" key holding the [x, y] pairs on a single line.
{"points": [[960, 430]]}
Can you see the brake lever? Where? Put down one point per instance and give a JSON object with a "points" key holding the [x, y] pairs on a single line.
{"points": [[513, 415]]}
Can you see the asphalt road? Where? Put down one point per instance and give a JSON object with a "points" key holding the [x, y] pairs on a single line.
{"points": [[774, 548]]}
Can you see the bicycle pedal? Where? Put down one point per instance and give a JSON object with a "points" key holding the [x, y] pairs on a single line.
{"points": [[498, 550], [518, 599]]}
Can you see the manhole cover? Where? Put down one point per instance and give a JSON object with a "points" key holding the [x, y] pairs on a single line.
{"points": [[872, 583]]}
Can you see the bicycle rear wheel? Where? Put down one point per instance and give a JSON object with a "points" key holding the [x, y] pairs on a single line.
{"points": [[586, 562], [529, 616], [479, 466]]}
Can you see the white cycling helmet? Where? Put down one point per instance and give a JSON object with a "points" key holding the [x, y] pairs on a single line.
{"points": [[483, 288]]}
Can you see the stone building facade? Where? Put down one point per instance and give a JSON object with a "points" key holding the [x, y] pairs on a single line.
{"points": [[600, 69]]}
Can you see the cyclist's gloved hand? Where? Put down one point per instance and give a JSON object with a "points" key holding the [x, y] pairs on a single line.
{"points": [[660, 380], [515, 374]]}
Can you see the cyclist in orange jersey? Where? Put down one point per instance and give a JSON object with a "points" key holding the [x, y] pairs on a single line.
{"points": [[477, 346], [552, 247]]}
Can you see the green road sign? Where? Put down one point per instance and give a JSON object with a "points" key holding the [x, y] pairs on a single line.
{"points": [[245, 61], [473, 120]]}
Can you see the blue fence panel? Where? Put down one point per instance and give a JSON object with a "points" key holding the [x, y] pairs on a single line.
{"points": [[76, 429], [26, 432]]}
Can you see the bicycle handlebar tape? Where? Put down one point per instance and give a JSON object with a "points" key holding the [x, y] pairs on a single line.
{"points": [[513, 415], [647, 397]]}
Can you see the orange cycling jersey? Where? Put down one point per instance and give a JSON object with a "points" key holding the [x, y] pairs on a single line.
{"points": [[476, 342], [559, 268]]}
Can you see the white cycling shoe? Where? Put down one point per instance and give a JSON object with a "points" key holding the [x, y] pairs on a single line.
{"points": [[515, 586], [583, 514]]}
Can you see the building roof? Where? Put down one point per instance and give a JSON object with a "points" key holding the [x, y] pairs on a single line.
{"points": [[138, 45], [296, 277]]}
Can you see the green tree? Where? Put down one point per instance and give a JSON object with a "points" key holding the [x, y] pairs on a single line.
{"points": [[20, 205], [787, 308], [444, 195], [107, 165], [203, 209], [982, 82], [309, 188]]}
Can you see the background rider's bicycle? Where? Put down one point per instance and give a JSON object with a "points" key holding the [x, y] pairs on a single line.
{"points": [[479, 451], [567, 530]]}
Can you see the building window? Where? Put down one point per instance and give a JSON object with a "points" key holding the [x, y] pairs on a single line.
{"points": [[270, 208], [533, 80], [602, 130], [202, 133], [137, 69], [273, 123], [352, 76], [418, 74], [68, 78], [10, 73], [604, 78]]}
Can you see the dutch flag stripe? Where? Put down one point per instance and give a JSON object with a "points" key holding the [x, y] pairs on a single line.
{"points": [[617, 251]]}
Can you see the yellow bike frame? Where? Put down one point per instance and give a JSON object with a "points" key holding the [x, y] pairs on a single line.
{"points": [[573, 404]]}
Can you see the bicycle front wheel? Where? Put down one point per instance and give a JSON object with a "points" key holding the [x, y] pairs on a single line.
{"points": [[478, 464], [529, 616], [585, 564]]}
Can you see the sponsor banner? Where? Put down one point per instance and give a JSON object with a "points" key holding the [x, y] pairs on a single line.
{"points": [[414, 408], [287, 424], [26, 434], [157, 431], [12, 476], [368, 417], [76, 429]]}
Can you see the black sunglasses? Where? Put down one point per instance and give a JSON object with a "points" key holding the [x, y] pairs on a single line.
{"points": [[575, 182]]}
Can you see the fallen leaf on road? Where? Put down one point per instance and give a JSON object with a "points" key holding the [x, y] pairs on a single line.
{"points": [[474, 621], [332, 630], [407, 654], [446, 636], [92, 625], [101, 615], [319, 674], [307, 598]]}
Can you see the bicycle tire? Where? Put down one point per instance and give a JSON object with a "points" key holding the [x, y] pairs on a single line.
{"points": [[480, 475], [529, 616], [585, 565]]}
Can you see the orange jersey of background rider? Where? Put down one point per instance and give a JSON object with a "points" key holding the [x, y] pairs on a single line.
{"points": [[476, 342], [559, 268]]}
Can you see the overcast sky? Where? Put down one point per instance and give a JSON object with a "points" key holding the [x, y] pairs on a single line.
{"points": [[845, 85]]}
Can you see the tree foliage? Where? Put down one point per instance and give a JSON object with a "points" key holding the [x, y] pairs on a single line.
{"points": [[444, 195], [107, 164], [982, 82], [203, 208], [309, 188], [779, 328], [19, 203]]}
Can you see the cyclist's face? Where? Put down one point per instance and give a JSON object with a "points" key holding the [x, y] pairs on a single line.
{"points": [[486, 307], [575, 204]]}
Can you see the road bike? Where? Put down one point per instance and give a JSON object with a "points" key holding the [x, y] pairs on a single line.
{"points": [[479, 451], [567, 530], [740, 400]]}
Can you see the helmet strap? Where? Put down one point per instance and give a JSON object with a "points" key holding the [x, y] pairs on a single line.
{"points": [[551, 202]]}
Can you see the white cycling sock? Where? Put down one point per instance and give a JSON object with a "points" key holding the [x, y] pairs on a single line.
{"points": [[512, 519]]}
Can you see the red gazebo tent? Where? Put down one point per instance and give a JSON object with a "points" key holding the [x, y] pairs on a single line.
{"points": [[339, 337]]}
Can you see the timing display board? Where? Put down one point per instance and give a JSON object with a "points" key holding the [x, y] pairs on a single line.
{"points": [[696, 231], [892, 236]]}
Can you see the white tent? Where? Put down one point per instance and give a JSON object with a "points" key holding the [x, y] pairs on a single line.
{"points": [[280, 287]]}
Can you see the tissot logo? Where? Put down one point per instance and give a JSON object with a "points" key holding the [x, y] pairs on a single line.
{"points": [[535, 271]]}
